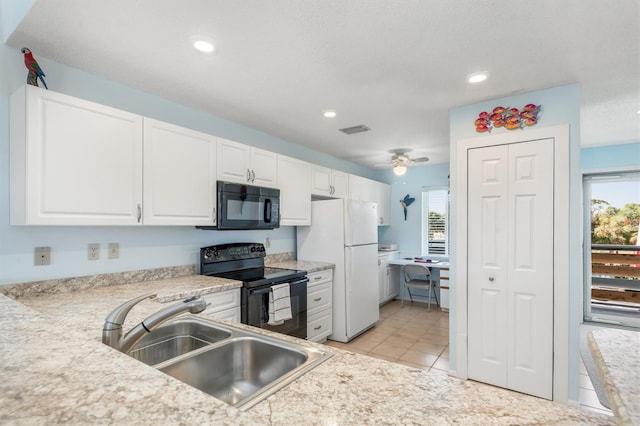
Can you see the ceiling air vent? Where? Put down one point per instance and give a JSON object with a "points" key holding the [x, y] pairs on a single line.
{"points": [[355, 129]]}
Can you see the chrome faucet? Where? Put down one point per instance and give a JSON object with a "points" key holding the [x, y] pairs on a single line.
{"points": [[112, 331]]}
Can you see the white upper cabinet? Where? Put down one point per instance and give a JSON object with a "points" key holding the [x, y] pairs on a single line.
{"points": [[73, 162], [382, 194], [329, 183], [245, 164], [295, 191], [370, 190], [179, 175]]}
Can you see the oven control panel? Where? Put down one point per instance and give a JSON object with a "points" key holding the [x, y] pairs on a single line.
{"points": [[234, 251]]}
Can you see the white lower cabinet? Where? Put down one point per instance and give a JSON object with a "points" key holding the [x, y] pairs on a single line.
{"points": [[223, 305], [388, 277], [444, 289], [319, 305]]}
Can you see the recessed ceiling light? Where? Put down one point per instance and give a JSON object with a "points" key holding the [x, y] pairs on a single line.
{"points": [[203, 44], [329, 113], [477, 77]]}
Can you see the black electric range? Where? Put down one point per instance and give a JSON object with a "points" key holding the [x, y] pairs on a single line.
{"points": [[245, 262]]}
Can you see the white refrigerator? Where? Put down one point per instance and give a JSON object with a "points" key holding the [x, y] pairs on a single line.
{"points": [[345, 233]]}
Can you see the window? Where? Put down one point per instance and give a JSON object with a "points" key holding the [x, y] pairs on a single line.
{"points": [[435, 221], [612, 249]]}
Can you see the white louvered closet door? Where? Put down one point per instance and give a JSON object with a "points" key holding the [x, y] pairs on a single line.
{"points": [[510, 266]]}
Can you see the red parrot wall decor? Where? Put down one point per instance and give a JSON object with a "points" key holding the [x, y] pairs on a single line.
{"points": [[35, 72]]}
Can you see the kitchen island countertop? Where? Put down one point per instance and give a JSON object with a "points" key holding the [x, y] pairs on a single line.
{"points": [[56, 370]]}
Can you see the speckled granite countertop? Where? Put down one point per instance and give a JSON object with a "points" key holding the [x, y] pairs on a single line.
{"points": [[616, 354], [301, 264], [54, 369]]}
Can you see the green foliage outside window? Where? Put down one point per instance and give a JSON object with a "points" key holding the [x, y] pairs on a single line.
{"points": [[612, 225]]}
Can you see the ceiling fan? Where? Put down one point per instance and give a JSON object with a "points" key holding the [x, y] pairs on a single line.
{"points": [[400, 161]]}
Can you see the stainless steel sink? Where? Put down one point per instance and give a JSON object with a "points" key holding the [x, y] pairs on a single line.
{"points": [[238, 369], [176, 338], [235, 365]]}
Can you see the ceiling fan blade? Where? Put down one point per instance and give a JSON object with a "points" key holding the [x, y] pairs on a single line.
{"points": [[420, 160]]}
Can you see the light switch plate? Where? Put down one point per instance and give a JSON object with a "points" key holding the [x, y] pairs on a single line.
{"points": [[42, 256], [114, 250]]}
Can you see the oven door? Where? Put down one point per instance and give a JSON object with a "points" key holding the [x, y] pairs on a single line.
{"points": [[255, 309], [247, 207]]}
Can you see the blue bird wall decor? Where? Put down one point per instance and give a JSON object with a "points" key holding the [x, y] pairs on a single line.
{"points": [[406, 202]]}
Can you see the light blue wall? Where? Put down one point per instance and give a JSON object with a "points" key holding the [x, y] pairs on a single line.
{"points": [[408, 233], [610, 157], [11, 13], [560, 105], [140, 248]]}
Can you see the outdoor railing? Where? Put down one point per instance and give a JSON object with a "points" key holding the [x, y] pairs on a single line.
{"points": [[615, 272]]}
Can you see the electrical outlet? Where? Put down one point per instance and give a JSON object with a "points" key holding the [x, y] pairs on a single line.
{"points": [[114, 250], [93, 251], [42, 256]]}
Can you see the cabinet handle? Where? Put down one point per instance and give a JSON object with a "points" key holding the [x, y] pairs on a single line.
{"points": [[318, 327], [381, 220], [213, 216], [248, 175], [139, 212], [491, 279], [318, 299], [317, 278], [253, 175]]}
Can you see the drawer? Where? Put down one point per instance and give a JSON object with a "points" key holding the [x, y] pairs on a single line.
{"points": [[232, 314], [319, 297], [320, 277], [319, 326], [444, 299], [223, 300]]}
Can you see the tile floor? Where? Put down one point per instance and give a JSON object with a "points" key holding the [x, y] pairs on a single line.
{"points": [[414, 336]]}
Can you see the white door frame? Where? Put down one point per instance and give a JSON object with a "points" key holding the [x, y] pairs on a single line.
{"points": [[561, 247]]}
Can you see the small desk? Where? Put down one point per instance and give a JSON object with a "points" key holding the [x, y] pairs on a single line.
{"points": [[404, 261], [440, 277]]}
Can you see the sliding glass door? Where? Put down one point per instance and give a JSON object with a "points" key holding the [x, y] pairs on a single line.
{"points": [[612, 248]]}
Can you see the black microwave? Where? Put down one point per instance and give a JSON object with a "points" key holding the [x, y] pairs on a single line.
{"points": [[246, 207]]}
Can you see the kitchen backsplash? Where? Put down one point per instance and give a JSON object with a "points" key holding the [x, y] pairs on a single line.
{"points": [[278, 257], [65, 285]]}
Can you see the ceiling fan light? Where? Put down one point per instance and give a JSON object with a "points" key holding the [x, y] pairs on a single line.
{"points": [[399, 170]]}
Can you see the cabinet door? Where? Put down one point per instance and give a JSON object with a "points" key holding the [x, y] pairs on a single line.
{"points": [[383, 278], [382, 193], [73, 162], [340, 184], [357, 188], [234, 161], [294, 177], [264, 168], [321, 181], [179, 175]]}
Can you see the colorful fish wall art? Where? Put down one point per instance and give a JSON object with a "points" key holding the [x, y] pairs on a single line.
{"points": [[509, 118]]}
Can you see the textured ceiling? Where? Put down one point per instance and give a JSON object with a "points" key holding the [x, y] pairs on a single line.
{"points": [[395, 66]]}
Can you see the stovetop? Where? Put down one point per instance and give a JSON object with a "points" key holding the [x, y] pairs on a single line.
{"points": [[243, 262], [254, 277]]}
